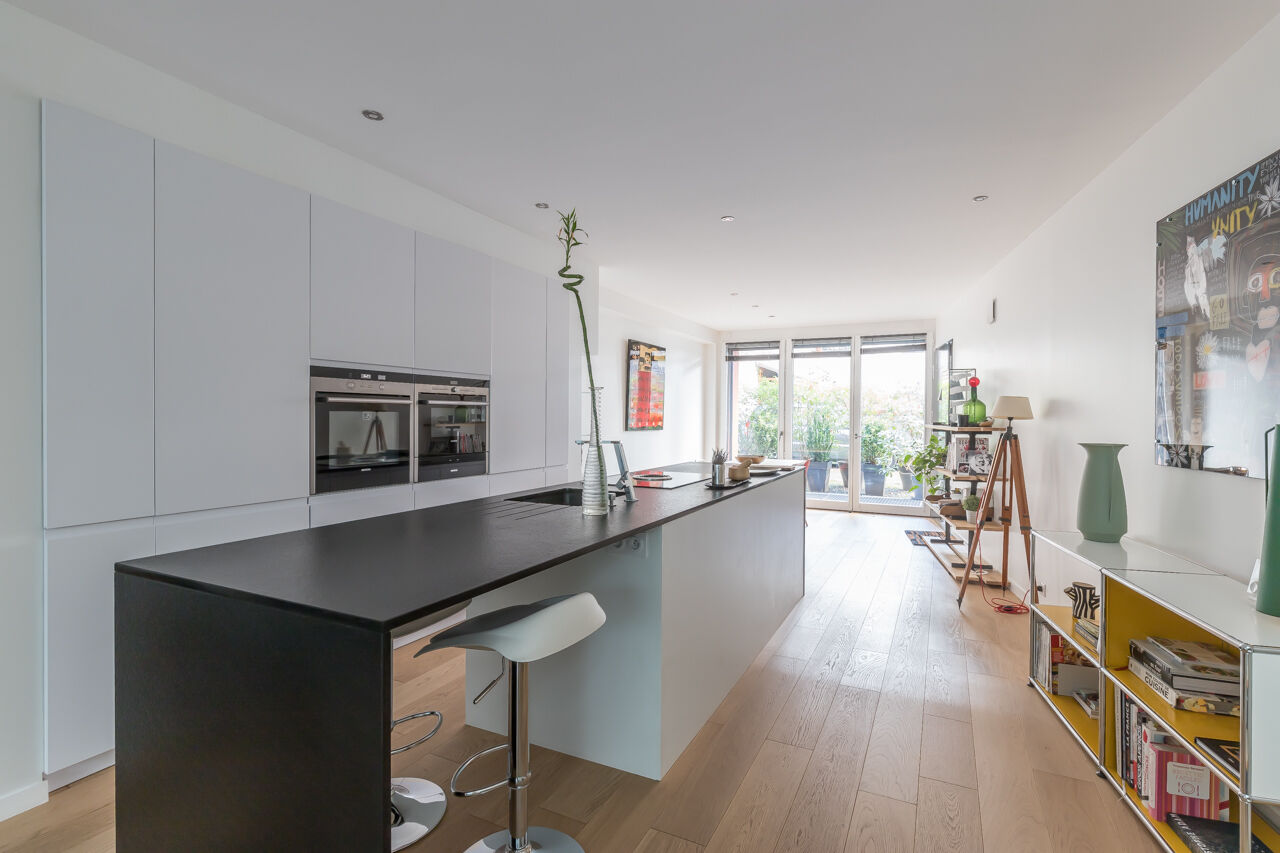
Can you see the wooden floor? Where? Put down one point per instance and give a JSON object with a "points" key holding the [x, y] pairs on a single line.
{"points": [[879, 718]]}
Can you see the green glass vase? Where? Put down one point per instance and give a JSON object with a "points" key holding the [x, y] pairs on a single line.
{"points": [[1102, 514], [1269, 563], [974, 409]]}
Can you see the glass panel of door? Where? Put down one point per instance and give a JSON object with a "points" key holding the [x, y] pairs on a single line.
{"points": [[892, 374], [754, 404], [820, 428]]}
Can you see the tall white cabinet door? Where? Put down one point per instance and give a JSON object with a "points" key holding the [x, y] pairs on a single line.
{"points": [[564, 350], [517, 422], [361, 287], [339, 507], [99, 290], [454, 299], [80, 630], [218, 526], [232, 335]]}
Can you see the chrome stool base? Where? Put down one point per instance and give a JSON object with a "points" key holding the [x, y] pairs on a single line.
{"points": [[540, 838], [420, 805]]}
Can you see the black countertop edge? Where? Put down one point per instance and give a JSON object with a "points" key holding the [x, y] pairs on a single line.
{"points": [[148, 568]]}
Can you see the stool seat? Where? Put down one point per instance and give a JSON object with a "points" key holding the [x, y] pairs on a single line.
{"points": [[526, 632]]}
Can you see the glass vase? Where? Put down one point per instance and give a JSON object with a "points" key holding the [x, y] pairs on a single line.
{"points": [[974, 409], [595, 478]]}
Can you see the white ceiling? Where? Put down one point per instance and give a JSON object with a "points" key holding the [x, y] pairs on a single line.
{"points": [[847, 137]]}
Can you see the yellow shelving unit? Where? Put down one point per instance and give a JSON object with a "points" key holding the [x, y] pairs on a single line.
{"points": [[1148, 591]]}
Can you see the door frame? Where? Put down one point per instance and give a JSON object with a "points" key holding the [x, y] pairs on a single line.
{"points": [[856, 332]]}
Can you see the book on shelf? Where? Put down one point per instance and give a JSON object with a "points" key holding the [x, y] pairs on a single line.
{"points": [[1211, 836], [1060, 668], [1198, 657], [1184, 700], [1087, 699], [1174, 780], [1180, 677], [1225, 752]]}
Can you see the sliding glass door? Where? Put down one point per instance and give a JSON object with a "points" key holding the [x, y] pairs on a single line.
{"points": [[819, 424], [891, 408], [849, 406]]}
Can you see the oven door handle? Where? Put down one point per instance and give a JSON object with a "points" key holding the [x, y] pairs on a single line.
{"points": [[455, 403], [328, 398]]}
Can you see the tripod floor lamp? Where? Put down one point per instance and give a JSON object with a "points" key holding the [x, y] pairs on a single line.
{"points": [[1006, 465]]}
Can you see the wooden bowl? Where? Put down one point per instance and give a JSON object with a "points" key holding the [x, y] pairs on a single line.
{"points": [[750, 460]]}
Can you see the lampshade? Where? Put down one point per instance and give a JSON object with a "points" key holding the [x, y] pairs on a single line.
{"points": [[1013, 407]]}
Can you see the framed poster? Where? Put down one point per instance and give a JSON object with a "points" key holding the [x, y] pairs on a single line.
{"points": [[1217, 306], [941, 378], [958, 390], [646, 385]]}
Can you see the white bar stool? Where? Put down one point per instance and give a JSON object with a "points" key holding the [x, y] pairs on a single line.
{"points": [[521, 634], [417, 805]]}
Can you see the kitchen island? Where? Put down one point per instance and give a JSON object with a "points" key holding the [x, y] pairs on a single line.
{"points": [[253, 679]]}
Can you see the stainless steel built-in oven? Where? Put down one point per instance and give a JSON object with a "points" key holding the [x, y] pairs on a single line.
{"points": [[362, 431], [453, 427]]}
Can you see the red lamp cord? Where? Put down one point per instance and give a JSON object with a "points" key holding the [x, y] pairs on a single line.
{"points": [[999, 603]]}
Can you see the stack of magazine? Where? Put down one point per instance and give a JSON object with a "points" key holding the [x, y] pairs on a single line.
{"points": [[1190, 676], [1087, 630]]}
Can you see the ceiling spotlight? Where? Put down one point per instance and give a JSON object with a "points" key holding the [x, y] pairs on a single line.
{"points": [[771, 316], [981, 197], [372, 115], [755, 306], [733, 293], [726, 218], [541, 205]]}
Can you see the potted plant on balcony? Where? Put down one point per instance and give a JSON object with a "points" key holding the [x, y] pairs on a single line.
{"points": [[923, 464], [875, 452], [819, 438]]}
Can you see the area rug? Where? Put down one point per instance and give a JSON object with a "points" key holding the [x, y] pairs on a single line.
{"points": [[918, 537]]}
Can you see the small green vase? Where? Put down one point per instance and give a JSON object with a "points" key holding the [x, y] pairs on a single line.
{"points": [[1102, 515], [1269, 569], [974, 409]]}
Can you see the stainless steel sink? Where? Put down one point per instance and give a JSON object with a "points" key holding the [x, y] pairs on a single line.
{"points": [[558, 497]]}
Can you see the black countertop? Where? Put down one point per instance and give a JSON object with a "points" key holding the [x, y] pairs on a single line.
{"points": [[394, 569]]}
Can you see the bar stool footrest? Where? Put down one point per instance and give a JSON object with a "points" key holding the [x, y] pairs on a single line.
{"points": [[453, 783], [428, 736]]}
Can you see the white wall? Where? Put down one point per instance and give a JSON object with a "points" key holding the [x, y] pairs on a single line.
{"points": [[21, 582], [39, 60], [1076, 328], [690, 390]]}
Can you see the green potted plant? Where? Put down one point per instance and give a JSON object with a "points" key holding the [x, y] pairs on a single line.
{"points": [[971, 504], [875, 453], [923, 465], [819, 437]]}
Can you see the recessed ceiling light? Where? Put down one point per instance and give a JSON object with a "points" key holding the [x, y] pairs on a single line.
{"points": [[755, 306], [726, 218], [733, 293], [981, 197], [541, 205], [372, 115], [771, 316]]}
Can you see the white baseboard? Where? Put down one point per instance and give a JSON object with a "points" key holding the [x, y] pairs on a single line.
{"points": [[19, 801], [61, 778]]}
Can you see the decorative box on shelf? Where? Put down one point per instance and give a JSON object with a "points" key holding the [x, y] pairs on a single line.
{"points": [[1149, 594]]}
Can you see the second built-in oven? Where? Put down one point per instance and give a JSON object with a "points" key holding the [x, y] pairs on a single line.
{"points": [[453, 427], [362, 431]]}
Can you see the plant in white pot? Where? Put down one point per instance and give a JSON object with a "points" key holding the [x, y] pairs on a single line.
{"points": [[971, 504]]}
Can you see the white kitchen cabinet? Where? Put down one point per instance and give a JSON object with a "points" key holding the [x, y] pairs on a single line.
{"points": [[454, 299], [556, 476], [516, 481], [564, 352], [360, 503], [80, 631], [217, 526], [362, 285], [440, 492], [517, 423], [232, 336], [99, 288]]}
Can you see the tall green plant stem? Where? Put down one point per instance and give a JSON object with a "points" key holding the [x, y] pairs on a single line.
{"points": [[569, 232]]}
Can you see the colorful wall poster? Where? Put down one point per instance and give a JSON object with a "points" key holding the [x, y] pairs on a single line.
{"points": [[1217, 303], [646, 385]]}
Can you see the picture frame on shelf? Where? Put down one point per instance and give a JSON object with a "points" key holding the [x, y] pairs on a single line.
{"points": [[958, 391], [941, 413]]}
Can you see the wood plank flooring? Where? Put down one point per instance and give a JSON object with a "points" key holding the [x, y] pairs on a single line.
{"points": [[879, 718]]}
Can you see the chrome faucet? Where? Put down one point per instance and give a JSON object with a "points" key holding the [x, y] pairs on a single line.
{"points": [[626, 486]]}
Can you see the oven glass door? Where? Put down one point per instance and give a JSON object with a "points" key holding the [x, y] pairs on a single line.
{"points": [[453, 437], [362, 442]]}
